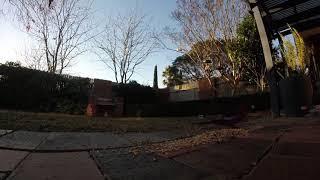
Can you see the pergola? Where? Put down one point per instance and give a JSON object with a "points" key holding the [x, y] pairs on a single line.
{"points": [[273, 17]]}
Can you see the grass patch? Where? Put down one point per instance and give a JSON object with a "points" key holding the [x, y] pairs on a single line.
{"points": [[60, 122]]}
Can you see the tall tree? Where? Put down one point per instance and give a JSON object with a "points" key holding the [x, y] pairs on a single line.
{"points": [[126, 42], [172, 76], [212, 25], [248, 47], [155, 77], [61, 28], [181, 70]]}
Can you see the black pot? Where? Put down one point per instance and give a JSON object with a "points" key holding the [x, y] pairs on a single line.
{"points": [[296, 95]]}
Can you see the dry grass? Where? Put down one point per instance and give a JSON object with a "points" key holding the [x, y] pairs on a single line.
{"points": [[61, 122], [171, 147]]}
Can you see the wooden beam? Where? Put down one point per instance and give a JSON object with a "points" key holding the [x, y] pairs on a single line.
{"points": [[263, 37]]}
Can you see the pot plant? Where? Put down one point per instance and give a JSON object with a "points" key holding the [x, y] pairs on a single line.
{"points": [[295, 86]]}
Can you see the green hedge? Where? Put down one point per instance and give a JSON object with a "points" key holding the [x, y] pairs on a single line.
{"points": [[205, 107], [38, 91], [31, 90], [135, 93]]}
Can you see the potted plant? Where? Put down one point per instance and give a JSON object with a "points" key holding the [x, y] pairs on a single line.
{"points": [[295, 86]]}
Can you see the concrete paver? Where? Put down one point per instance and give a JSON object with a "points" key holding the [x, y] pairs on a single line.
{"points": [[3, 132], [53, 166], [22, 140], [83, 141], [142, 138], [121, 164], [107, 140], [304, 149], [10, 159], [295, 156], [301, 141], [228, 160], [2, 176], [277, 167], [66, 141], [303, 134]]}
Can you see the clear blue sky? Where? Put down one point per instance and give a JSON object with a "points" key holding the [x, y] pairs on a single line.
{"points": [[13, 41]]}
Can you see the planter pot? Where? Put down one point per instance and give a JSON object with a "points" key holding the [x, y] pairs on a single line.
{"points": [[296, 95]]}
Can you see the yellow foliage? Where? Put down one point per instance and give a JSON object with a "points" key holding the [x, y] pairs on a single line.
{"points": [[295, 54]]}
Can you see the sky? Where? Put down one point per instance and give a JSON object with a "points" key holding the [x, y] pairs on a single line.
{"points": [[14, 42]]}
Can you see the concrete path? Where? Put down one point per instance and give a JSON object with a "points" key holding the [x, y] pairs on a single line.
{"points": [[275, 152], [294, 156], [64, 141]]}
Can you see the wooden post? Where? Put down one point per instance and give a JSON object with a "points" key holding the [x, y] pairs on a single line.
{"points": [[263, 36], [271, 74]]}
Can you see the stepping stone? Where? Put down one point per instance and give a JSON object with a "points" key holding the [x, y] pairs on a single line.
{"points": [[277, 167], [10, 159], [66, 141], [62, 166], [228, 160], [122, 165], [22, 140]]}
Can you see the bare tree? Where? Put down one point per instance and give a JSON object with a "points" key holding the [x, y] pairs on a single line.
{"points": [[33, 58], [125, 43], [61, 28], [208, 28]]}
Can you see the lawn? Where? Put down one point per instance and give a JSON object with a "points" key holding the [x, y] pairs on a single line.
{"points": [[15, 120]]}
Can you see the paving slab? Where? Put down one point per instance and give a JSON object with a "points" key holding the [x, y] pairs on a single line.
{"points": [[66, 141], [273, 129], [277, 167], [262, 136], [4, 132], [227, 160], [22, 140], [142, 138], [10, 159], [305, 149], [303, 134], [2, 176], [107, 140], [301, 141], [122, 165], [82, 141], [53, 166]]}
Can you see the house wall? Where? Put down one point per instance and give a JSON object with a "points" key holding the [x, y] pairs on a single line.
{"points": [[201, 90]]}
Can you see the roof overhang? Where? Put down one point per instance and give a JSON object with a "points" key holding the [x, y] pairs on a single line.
{"points": [[303, 15]]}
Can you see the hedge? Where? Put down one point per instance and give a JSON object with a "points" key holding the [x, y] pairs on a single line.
{"points": [[38, 91], [31, 90], [203, 107]]}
